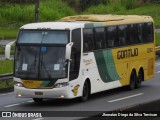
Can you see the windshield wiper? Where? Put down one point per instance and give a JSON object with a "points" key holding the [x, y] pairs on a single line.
{"points": [[46, 70], [35, 60]]}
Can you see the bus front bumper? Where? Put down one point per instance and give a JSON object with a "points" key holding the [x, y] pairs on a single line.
{"points": [[64, 92]]}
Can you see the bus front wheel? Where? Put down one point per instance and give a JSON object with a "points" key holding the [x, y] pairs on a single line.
{"points": [[85, 94]]}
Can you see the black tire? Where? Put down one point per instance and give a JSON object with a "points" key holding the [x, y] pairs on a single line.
{"points": [[37, 100], [132, 83], [139, 79], [85, 94]]}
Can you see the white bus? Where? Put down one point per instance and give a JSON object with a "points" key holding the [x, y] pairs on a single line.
{"points": [[81, 55]]}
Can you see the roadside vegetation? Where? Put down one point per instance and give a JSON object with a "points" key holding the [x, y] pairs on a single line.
{"points": [[12, 16], [15, 14], [157, 39], [6, 66], [6, 83]]}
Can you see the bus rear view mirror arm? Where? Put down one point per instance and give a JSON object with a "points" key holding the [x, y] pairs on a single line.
{"points": [[68, 50], [8, 50]]}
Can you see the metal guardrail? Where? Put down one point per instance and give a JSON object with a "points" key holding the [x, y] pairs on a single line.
{"points": [[6, 76], [157, 48], [6, 79]]}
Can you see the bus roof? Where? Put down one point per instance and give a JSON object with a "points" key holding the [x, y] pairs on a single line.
{"points": [[59, 25], [105, 18], [88, 21]]}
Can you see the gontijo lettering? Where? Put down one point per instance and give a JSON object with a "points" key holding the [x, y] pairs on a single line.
{"points": [[127, 53]]}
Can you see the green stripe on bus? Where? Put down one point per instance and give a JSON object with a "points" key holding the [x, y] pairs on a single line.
{"points": [[106, 66], [88, 25], [92, 25]]}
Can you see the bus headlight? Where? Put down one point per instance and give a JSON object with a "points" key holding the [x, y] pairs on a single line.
{"points": [[19, 84], [59, 85]]}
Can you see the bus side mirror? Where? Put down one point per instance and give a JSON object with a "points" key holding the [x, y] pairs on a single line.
{"points": [[8, 50], [68, 50]]}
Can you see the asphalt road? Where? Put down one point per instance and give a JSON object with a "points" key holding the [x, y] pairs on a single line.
{"points": [[105, 101]]}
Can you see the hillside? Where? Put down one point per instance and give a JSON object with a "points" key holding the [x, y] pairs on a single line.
{"points": [[12, 16], [117, 8]]}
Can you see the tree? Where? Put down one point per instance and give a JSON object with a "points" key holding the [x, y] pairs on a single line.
{"points": [[86, 3], [17, 1]]}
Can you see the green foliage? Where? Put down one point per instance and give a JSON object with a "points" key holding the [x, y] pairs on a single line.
{"points": [[87, 3], [6, 83], [146, 9], [17, 1], [8, 32], [129, 4], [119, 8], [12, 16], [157, 39], [53, 10], [6, 66], [111, 8]]}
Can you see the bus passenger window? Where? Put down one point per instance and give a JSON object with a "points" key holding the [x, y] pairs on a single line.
{"points": [[99, 38], [111, 33], [139, 33], [130, 35], [149, 30], [122, 35], [88, 40]]}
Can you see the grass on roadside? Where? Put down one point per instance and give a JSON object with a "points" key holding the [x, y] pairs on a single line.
{"points": [[8, 33], [2, 50], [6, 66], [157, 39], [13, 16], [118, 8], [6, 83]]}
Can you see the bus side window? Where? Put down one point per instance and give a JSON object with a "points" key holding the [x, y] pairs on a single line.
{"points": [[75, 54], [139, 33], [88, 40], [149, 31], [122, 35], [130, 35], [111, 33], [99, 38]]}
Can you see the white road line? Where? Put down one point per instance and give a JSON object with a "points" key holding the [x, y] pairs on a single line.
{"points": [[5, 94], [18, 103], [38, 119], [12, 105], [157, 72], [126, 97], [30, 101]]}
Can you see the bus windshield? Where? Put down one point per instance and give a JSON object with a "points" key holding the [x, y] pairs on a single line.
{"points": [[43, 36], [41, 55]]}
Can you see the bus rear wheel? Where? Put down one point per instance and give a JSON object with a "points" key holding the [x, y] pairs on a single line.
{"points": [[140, 78], [37, 100], [85, 94], [133, 78]]}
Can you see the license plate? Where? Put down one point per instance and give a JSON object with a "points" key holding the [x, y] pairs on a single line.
{"points": [[38, 93]]}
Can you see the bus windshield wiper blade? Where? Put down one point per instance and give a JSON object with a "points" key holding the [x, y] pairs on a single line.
{"points": [[46, 70]]}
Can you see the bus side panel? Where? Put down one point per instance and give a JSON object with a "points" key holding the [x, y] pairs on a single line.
{"points": [[128, 58]]}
